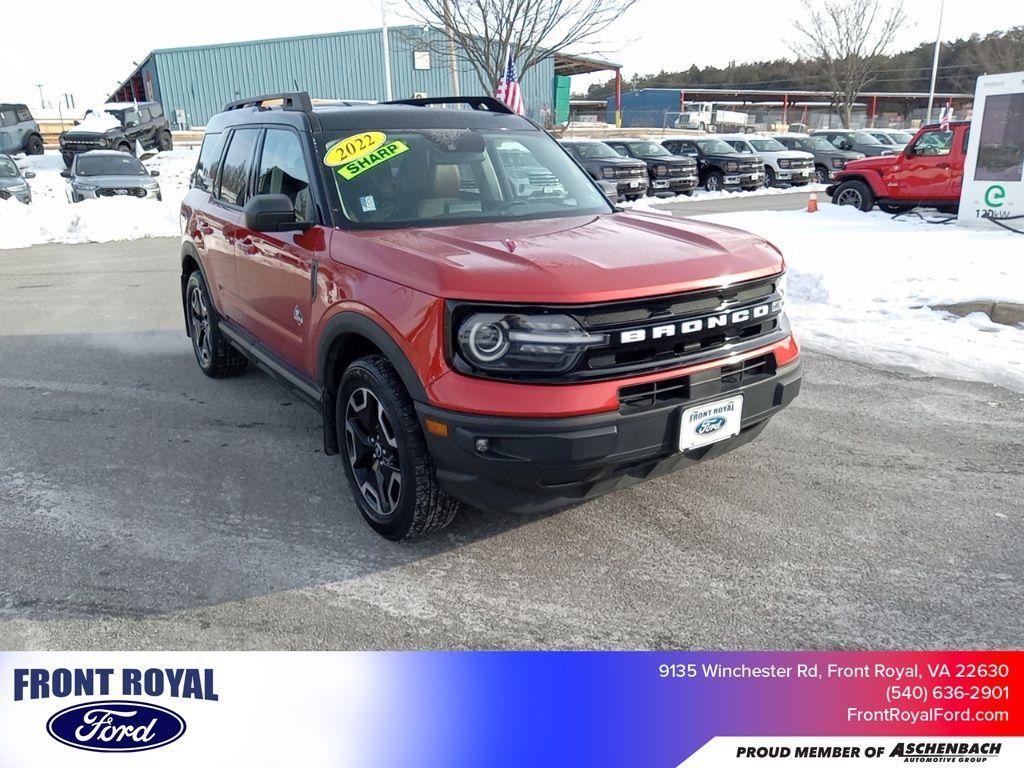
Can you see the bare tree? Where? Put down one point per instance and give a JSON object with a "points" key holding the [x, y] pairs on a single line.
{"points": [[479, 32], [1001, 51], [847, 38]]}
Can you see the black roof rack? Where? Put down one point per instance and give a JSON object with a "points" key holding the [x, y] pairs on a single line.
{"points": [[293, 102], [481, 103]]}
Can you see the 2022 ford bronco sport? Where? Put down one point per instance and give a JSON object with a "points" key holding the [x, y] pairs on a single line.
{"points": [[461, 342]]}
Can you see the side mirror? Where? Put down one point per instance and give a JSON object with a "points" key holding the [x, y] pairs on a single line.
{"points": [[29, 175], [272, 213], [154, 174], [66, 173]]}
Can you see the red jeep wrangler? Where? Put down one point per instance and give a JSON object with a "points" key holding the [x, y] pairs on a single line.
{"points": [[929, 172], [465, 336]]}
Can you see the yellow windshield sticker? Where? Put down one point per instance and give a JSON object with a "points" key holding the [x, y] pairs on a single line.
{"points": [[355, 146], [364, 163]]}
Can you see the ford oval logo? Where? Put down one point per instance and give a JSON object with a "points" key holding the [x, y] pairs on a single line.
{"points": [[116, 726], [708, 426]]}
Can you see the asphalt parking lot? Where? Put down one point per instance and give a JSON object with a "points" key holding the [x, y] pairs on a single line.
{"points": [[144, 506]]}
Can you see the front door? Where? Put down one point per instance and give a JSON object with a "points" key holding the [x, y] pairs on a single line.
{"points": [[276, 270], [924, 170]]}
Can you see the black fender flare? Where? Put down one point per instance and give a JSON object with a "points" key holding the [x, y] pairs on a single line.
{"points": [[348, 322], [188, 252]]}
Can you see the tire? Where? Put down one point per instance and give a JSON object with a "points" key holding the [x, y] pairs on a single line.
{"points": [[164, 142], [820, 174], [891, 209], [715, 182], [34, 145], [377, 453], [125, 147], [769, 176], [214, 353], [68, 159], [855, 193]]}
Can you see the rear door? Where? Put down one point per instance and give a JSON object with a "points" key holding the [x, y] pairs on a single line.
{"points": [[9, 134], [277, 270], [924, 170]]}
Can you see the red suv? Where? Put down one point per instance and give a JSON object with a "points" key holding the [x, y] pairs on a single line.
{"points": [[464, 338], [928, 172]]}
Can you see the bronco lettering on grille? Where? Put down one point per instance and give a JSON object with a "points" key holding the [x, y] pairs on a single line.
{"points": [[698, 324]]}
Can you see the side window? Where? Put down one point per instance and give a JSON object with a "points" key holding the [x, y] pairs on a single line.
{"points": [[283, 172], [934, 144], [129, 118], [234, 176], [156, 111], [671, 146], [8, 118], [144, 114], [205, 174], [23, 114]]}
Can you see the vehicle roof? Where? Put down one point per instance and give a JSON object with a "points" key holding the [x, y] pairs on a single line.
{"points": [[364, 116], [13, 104]]}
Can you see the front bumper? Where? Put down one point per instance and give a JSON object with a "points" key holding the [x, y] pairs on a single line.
{"points": [[532, 465], [674, 184], [630, 187], [744, 179], [79, 194], [801, 176]]}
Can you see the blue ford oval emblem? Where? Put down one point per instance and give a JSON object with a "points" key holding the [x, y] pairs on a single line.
{"points": [[708, 426], [116, 726]]}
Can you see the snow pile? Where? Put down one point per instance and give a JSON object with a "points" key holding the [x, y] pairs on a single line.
{"points": [[96, 121], [861, 286], [50, 218]]}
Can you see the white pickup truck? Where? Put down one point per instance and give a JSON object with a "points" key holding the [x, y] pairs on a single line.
{"points": [[701, 117], [782, 166]]}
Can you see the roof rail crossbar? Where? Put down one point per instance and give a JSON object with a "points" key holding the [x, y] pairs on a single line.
{"points": [[293, 102], [482, 103]]}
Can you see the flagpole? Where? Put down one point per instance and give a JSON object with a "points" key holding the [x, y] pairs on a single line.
{"points": [[935, 63]]}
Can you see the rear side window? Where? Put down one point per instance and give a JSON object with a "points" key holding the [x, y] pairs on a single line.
{"points": [[234, 176], [156, 111], [144, 114], [283, 171], [205, 174], [8, 118], [23, 114]]}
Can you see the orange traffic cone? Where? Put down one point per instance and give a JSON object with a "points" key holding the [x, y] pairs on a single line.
{"points": [[812, 203]]}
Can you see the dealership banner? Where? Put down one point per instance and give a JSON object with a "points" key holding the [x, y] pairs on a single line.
{"points": [[522, 709]]}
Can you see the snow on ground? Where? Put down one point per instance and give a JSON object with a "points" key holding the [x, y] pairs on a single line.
{"points": [[862, 287], [50, 218], [702, 195]]}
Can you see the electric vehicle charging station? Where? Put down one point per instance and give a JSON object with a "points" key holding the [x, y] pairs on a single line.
{"points": [[993, 184]]}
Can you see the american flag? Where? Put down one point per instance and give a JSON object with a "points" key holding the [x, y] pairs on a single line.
{"points": [[945, 115], [509, 92]]}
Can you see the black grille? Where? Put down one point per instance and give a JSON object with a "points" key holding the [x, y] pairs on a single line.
{"points": [[709, 383], [121, 192]]}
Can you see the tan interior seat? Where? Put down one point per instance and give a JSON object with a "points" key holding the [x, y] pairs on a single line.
{"points": [[444, 192]]}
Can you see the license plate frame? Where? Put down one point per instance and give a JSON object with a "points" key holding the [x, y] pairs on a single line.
{"points": [[709, 423]]}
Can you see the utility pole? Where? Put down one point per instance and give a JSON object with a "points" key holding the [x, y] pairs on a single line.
{"points": [[452, 64], [42, 103], [387, 53], [935, 63]]}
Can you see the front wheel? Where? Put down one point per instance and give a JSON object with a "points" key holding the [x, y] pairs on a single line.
{"points": [[855, 193], [820, 174], [164, 141], [769, 177], [715, 182], [385, 456]]}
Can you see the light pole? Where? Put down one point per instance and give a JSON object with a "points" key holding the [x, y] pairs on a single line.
{"points": [[387, 52], [935, 63], [42, 103]]}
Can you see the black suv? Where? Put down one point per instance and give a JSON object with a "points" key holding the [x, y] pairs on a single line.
{"points": [[118, 126], [667, 173], [605, 164], [719, 165]]}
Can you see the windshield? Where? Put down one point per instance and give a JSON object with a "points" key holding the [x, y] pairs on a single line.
{"points": [[767, 145], [108, 165], [594, 150], [715, 147], [8, 170], [648, 149], [861, 137], [456, 176], [815, 144]]}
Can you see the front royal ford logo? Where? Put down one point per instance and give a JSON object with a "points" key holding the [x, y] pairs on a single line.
{"points": [[116, 726], [708, 426], [698, 324], [112, 719]]}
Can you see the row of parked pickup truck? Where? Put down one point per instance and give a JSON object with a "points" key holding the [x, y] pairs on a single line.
{"points": [[678, 165]]}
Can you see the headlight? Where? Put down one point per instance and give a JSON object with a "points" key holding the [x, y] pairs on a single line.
{"points": [[838, 163], [61, 141], [784, 163], [608, 173], [732, 167], [105, 142], [86, 187], [783, 284], [518, 343], [661, 170], [18, 188]]}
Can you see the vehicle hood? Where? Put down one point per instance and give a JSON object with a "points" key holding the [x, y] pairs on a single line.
{"points": [[880, 163], [568, 260], [846, 154], [790, 154], [116, 181], [729, 156], [87, 134]]}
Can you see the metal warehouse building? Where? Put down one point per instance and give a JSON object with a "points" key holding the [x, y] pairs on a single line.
{"points": [[195, 83]]}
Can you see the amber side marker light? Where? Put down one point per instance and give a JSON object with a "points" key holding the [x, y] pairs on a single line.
{"points": [[436, 427]]}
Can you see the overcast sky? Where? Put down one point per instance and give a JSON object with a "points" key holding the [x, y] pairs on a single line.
{"points": [[72, 51]]}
